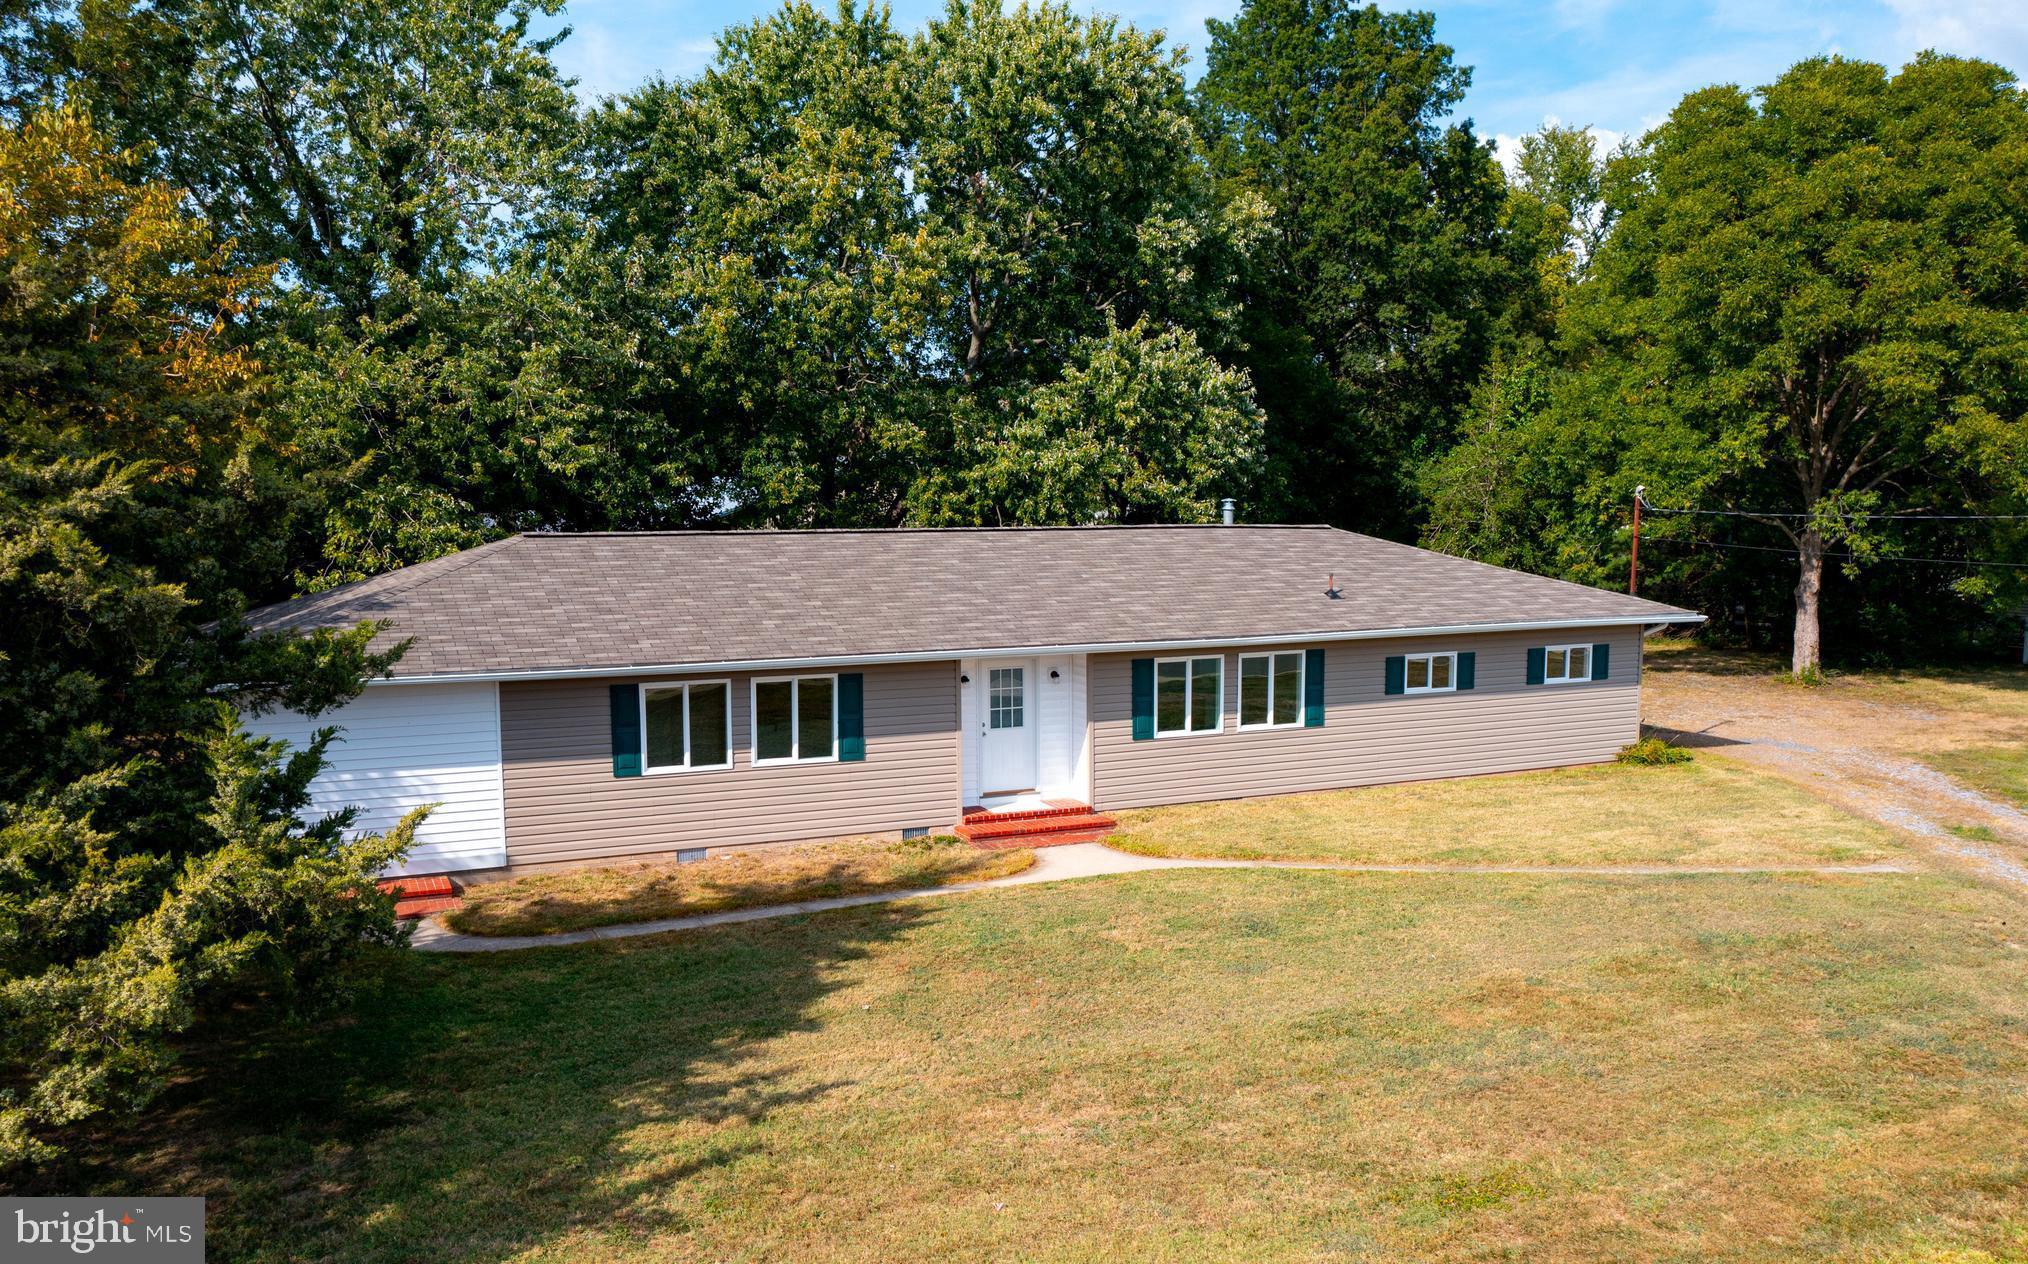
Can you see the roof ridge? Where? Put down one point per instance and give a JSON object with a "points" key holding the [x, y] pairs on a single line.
{"points": [[1094, 526]]}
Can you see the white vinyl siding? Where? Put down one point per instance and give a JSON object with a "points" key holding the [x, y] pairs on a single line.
{"points": [[406, 745]]}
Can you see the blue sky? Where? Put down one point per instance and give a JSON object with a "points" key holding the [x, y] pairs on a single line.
{"points": [[1614, 65]]}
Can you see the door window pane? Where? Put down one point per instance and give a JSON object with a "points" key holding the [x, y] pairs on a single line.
{"points": [[1005, 697], [709, 738], [774, 720], [1205, 701], [665, 728], [1288, 688], [1172, 687], [813, 718], [1253, 690]]}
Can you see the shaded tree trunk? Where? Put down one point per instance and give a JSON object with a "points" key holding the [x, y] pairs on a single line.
{"points": [[1809, 599]]}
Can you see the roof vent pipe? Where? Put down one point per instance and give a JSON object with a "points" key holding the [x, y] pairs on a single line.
{"points": [[1227, 509]]}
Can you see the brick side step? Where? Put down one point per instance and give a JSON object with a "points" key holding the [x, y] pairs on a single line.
{"points": [[428, 884], [421, 896], [1034, 828], [423, 906]]}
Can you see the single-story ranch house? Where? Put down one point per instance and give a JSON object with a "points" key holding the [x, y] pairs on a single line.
{"points": [[578, 697]]}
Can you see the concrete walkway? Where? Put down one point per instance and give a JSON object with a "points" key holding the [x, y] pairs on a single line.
{"points": [[1054, 864]]}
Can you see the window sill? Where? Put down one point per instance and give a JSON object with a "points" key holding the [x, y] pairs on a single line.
{"points": [[1163, 737], [1267, 728], [674, 770], [791, 762]]}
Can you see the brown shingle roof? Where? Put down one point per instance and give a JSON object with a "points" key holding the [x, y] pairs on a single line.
{"points": [[563, 603]]}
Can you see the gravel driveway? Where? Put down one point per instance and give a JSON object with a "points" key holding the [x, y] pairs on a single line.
{"points": [[1848, 744]]}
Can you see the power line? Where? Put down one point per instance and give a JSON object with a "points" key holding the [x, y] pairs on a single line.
{"points": [[1756, 513], [1764, 548]]}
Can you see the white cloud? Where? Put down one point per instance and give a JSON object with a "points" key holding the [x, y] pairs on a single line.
{"points": [[1586, 15], [604, 63], [1996, 30]]}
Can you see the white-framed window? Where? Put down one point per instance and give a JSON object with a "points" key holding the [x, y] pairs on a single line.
{"points": [[1006, 697], [795, 719], [1566, 664], [1271, 690], [1189, 695], [686, 726], [1430, 673]]}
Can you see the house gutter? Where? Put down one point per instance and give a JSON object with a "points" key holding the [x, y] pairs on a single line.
{"points": [[1647, 623]]}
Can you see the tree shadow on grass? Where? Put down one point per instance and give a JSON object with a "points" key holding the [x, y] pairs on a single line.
{"points": [[1706, 661], [471, 1108], [1694, 739], [546, 905]]}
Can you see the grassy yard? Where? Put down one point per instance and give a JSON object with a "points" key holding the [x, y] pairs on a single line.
{"points": [[543, 904], [1711, 812], [1179, 1066]]}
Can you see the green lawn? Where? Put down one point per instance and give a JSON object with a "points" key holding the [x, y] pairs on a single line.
{"points": [[2001, 771], [1711, 812], [1177, 1066]]}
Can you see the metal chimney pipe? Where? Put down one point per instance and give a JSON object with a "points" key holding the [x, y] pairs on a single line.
{"points": [[1227, 510]]}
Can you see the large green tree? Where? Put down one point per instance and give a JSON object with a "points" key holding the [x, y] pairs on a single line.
{"points": [[1380, 291], [1812, 310], [1814, 306], [389, 158], [149, 859], [875, 266]]}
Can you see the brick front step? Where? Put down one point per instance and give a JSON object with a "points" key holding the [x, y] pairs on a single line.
{"points": [[981, 816], [1060, 838], [1032, 827]]}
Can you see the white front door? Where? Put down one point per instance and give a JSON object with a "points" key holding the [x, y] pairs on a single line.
{"points": [[1006, 727]]}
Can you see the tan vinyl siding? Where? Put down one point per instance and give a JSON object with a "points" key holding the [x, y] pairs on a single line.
{"points": [[1502, 725], [564, 804]]}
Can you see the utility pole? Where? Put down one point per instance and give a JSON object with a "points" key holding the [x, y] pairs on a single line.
{"points": [[1634, 560]]}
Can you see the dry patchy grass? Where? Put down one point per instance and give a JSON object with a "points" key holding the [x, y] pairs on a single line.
{"points": [[2001, 771], [1175, 1066], [1714, 811], [544, 904]]}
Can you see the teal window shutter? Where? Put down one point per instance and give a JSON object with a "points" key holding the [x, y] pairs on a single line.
{"points": [[1538, 664], [1397, 673], [1144, 699], [1468, 669], [1600, 658], [851, 717], [626, 730], [1313, 689]]}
